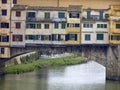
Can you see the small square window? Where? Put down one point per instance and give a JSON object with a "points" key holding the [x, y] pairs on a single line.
{"points": [[4, 12], [18, 14], [5, 38], [98, 25], [61, 15], [100, 37], [4, 25], [18, 25], [87, 37], [117, 26], [2, 50], [47, 15], [105, 25], [84, 25], [39, 26], [46, 26], [4, 1], [14, 1], [17, 37]]}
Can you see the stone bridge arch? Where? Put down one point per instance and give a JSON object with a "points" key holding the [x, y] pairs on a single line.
{"points": [[106, 55]]}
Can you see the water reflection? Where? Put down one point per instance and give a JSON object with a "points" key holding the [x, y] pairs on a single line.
{"points": [[89, 76]]}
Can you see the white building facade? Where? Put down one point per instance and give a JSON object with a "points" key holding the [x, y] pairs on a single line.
{"points": [[95, 27]]}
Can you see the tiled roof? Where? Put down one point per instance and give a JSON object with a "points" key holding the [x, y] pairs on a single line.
{"points": [[74, 7], [23, 7], [47, 8], [90, 9], [19, 7]]}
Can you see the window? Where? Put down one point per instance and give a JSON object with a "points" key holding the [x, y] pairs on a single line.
{"points": [[61, 15], [4, 12], [14, 1], [18, 14], [18, 25], [73, 25], [47, 15], [105, 25], [101, 25], [38, 37], [46, 26], [39, 26], [73, 37], [2, 50], [17, 38], [31, 14], [4, 25], [98, 25], [4, 38], [100, 37], [84, 25], [63, 25], [46, 37], [118, 26], [4, 1], [33, 37], [87, 25], [91, 25], [31, 25], [30, 37], [74, 15], [70, 25], [77, 25], [115, 37], [87, 37], [56, 25]]}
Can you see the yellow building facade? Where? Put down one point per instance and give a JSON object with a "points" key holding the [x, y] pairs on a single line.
{"points": [[114, 13], [73, 28]]}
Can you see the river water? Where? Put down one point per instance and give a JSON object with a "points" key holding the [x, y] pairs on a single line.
{"points": [[88, 76]]}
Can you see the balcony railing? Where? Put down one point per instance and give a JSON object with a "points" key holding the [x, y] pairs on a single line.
{"points": [[46, 20], [115, 18], [94, 18]]}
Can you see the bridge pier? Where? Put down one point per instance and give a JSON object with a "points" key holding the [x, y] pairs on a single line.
{"points": [[2, 66], [113, 63]]}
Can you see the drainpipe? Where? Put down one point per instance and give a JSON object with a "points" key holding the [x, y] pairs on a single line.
{"points": [[58, 2]]}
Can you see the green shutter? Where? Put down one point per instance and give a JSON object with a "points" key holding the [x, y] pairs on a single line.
{"points": [[59, 37], [61, 15], [63, 25], [47, 15], [98, 25], [105, 25], [84, 25], [52, 37], [39, 26], [75, 37], [87, 37], [101, 15], [102, 25], [67, 37], [88, 14], [42, 37], [56, 25], [100, 37]]}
